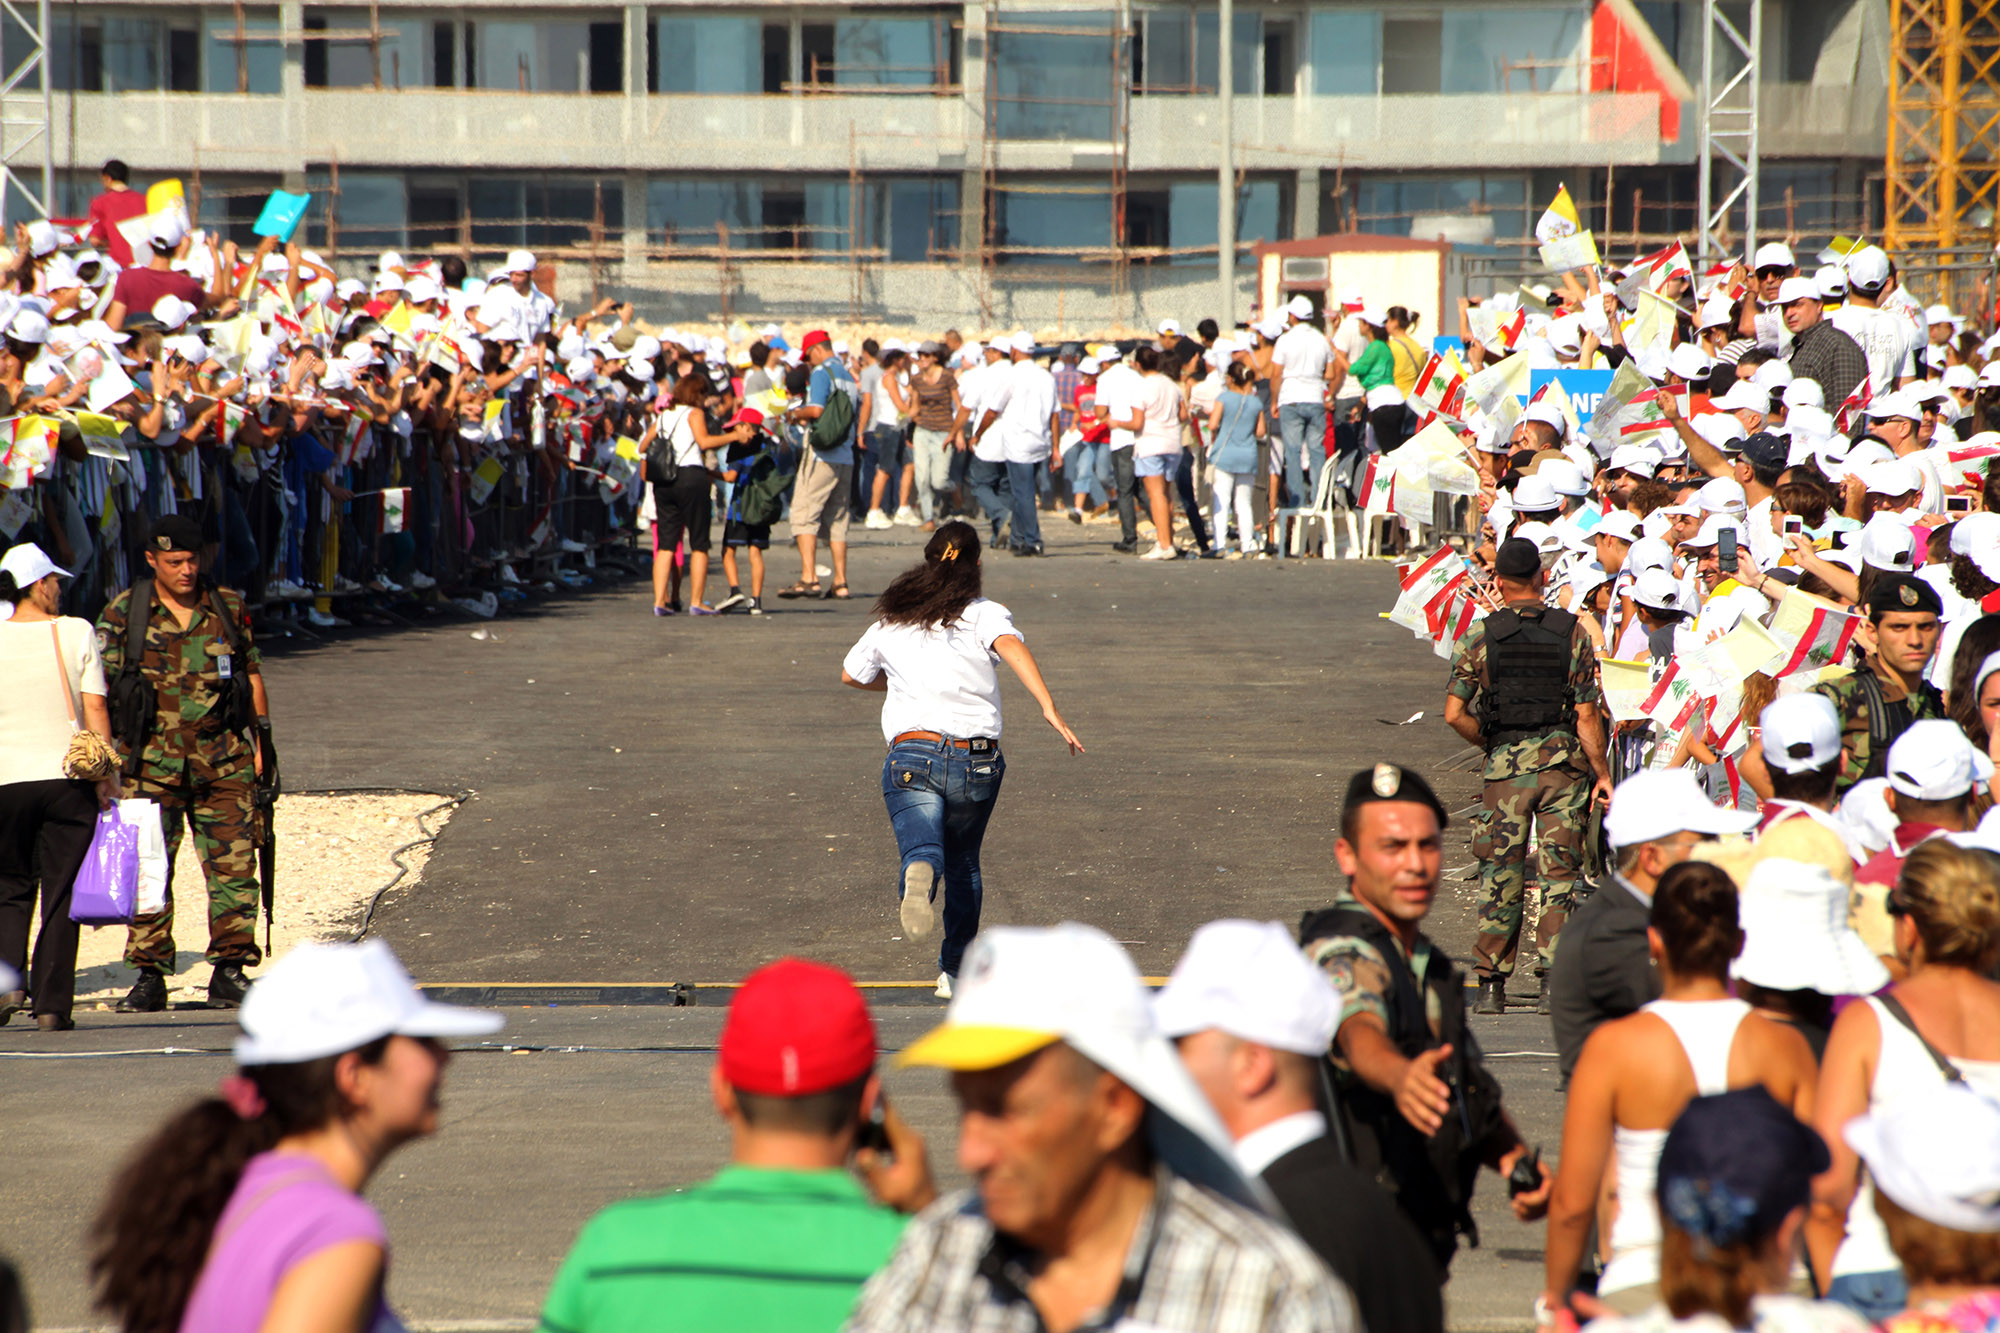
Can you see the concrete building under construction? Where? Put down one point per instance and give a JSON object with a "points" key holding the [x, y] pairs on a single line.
{"points": [[1038, 162]]}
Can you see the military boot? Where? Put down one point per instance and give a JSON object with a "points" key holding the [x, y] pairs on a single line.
{"points": [[147, 996], [1492, 997], [227, 986]]}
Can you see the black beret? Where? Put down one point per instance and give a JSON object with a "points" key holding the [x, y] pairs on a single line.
{"points": [[1389, 782], [175, 532], [1902, 592], [1517, 558]]}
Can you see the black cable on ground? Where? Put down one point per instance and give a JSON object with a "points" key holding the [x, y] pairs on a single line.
{"points": [[449, 802]]}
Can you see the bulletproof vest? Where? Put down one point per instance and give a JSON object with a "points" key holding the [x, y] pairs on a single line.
{"points": [[1527, 674], [1431, 1178]]}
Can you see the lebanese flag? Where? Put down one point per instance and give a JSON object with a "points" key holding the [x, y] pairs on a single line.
{"points": [[1825, 642], [1972, 452], [1666, 264], [1510, 332], [1378, 493], [1440, 610], [1857, 402], [1438, 382], [1672, 701]]}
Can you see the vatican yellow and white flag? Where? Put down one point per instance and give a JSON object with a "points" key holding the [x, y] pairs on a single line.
{"points": [[1559, 219]]}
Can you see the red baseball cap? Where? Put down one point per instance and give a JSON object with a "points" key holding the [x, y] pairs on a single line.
{"points": [[815, 336], [747, 416], [796, 1028]]}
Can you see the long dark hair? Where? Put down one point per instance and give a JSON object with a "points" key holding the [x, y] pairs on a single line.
{"points": [[937, 591], [1694, 910], [1980, 640], [151, 1238]]}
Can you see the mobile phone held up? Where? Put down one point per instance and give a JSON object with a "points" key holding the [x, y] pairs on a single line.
{"points": [[1794, 525], [1957, 504], [1725, 550]]}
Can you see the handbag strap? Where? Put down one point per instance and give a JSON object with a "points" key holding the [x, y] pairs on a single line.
{"points": [[1895, 1010], [62, 674]]}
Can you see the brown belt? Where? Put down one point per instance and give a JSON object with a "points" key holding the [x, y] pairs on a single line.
{"points": [[980, 743]]}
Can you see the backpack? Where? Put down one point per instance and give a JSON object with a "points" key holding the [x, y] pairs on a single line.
{"points": [[662, 468], [835, 421], [761, 493]]}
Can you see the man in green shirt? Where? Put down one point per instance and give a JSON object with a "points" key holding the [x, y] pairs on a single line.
{"points": [[783, 1237]]}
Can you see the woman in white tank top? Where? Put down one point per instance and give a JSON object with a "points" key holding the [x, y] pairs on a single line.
{"points": [[1636, 1074], [1946, 908]]}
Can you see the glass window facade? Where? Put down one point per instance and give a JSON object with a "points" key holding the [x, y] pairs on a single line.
{"points": [[890, 51], [1179, 50], [1384, 205], [708, 53], [405, 54], [1346, 52], [1051, 76], [909, 218], [1515, 49], [253, 65]]}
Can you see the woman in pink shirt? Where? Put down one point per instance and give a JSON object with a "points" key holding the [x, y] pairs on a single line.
{"points": [[244, 1212]]}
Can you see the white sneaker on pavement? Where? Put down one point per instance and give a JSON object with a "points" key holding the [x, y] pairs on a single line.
{"points": [[918, 918], [1162, 553], [943, 991], [906, 517], [421, 580]]}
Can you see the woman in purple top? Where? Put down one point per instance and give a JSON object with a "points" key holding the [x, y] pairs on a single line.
{"points": [[244, 1212]]}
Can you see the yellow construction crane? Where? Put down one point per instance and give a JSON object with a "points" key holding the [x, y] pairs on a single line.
{"points": [[1944, 126]]}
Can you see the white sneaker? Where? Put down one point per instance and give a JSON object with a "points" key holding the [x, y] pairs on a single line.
{"points": [[918, 918], [320, 618], [906, 517], [383, 583], [571, 547], [877, 519], [421, 581], [1162, 553], [943, 991], [508, 576]]}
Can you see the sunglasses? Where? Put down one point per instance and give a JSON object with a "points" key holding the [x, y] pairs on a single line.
{"points": [[1773, 271], [1896, 905]]}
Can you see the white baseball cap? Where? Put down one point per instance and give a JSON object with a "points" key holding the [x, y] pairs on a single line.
{"points": [[1722, 430], [1796, 934], [1620, 523], [1656, 588], [520, 261], [1351, 298], [28, 326], [1742, 396], [1804, 393], [1887, 542], [326, 999], [1937, 1155], [1689, 361], [1960, 376], [1023, 988], [1831, 281], [1722, 495], [1299, 307], [1634, 458], [1716, 312], [1658, 803], [1270, 329], [1933, 761], [1867, 267], [1710, 528], [1801, 732], [1250, 979], [1977, 537], [1563, 477], [1773, 254], [1548, 412], [1797, 289], [1170, 326], [1650, 553], [29, 564], [1892, 476], [168, 228]]}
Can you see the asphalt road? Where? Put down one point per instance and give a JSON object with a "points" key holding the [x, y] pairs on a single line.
{"points": [[661, 801]]}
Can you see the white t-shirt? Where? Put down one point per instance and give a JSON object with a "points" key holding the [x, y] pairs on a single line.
{"points": [[1118, 391], [940, 679], [1350, 340], [1303, 353], [1888, 340], [882, 408], [35, 723], [1026, 404], [1160, 430]]}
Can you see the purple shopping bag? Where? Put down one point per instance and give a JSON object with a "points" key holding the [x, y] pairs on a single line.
{"points": [[107, 885]]}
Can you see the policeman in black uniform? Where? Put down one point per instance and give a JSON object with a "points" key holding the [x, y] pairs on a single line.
{"points": [[1421, 1110]]}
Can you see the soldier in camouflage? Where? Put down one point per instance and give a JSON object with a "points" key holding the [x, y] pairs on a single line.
{"points": [[1904, 612], [1524, 689], [200, 768]]}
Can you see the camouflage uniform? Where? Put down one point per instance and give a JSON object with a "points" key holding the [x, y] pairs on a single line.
{"points": [[1544, 780], [1852, 704], [202, 773]]}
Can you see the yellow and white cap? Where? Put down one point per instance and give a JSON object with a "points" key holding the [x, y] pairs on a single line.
{"points": [[1023, 988]]}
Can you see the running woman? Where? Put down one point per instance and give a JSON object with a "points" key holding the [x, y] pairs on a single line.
{"points": [[933, 649]]}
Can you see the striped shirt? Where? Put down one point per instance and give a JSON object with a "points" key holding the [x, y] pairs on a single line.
{"points": [[750, 1250], [1198, 1263]]}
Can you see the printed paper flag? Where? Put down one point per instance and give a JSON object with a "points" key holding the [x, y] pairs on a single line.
{"points": [[628, 448], [110, 385], [16, 508], [1570, 252], [395, 501], [1378, 485], [1423, 584], [1722, 663], [350, 438], [1506, 378], [101, 436], [1855, 405], [1559, 220], [1822, 632], [1627, 413], [398, 320], [1440, 386], [484, 478], [1673, 699], [494, 426], [1627, 685]]}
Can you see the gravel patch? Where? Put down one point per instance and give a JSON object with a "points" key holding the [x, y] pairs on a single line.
{"points": [[333, 855]]}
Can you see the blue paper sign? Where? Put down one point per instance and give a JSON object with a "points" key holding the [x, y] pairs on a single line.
{"points": [[281, 214], [1584, 388]]}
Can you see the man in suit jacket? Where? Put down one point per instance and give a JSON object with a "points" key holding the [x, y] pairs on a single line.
{"points": [[1253, 1020], [1602, 968]]}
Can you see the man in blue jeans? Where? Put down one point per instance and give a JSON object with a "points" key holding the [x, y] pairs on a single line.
{"points": [[1022, 409]]}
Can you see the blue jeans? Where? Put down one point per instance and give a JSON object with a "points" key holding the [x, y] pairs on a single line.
{"points": [[1873, 1296], [939, 800], [1302, 426], [1023, 482], [991, 487], [1085, 470]]}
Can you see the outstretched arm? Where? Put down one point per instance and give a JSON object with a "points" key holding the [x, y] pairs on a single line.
{"points": [[1016, 655]]}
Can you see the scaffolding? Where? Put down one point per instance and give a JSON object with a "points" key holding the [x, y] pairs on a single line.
{"points": [[27, 146], [1943, 185], [1728, 126]]}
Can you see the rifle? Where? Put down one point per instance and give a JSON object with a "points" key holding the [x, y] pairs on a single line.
{"points": [[268, 789]]}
